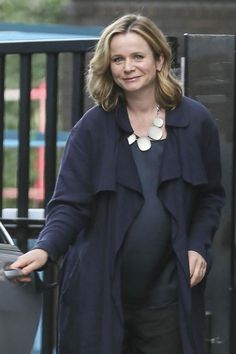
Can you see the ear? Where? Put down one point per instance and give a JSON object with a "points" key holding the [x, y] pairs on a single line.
{"points": [[159, 63]]}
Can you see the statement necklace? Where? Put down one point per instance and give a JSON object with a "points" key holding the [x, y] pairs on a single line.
{"points": [[155, 132]]}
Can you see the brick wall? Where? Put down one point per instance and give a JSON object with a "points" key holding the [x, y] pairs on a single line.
{"points": [[174, 18]]}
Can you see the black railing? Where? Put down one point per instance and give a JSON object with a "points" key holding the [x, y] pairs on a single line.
{"points": [[52, 49], [22, 228], [2, 85]]}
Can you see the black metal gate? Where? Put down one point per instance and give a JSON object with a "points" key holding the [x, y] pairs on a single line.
{"points": [[22, 227], [210, 77]]}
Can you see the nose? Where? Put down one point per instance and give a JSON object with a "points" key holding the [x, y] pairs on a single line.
{"points": [[128, 65]]}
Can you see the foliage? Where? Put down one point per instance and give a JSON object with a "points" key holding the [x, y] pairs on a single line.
{"points": [[35, 11]]}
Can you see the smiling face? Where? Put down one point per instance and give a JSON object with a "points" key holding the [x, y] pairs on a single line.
{"points": [[132, 63]]}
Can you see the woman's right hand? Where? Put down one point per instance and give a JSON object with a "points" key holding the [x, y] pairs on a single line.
{"points": [[29, 262]]}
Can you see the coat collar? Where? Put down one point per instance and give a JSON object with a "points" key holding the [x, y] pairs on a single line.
{"points": [[176, 117]]}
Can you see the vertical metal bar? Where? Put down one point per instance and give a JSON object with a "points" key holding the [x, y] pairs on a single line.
{"points": [[24, 149], [2, 106], [186, 50], [48, 322], [51, 125], [78, 86], [24, 134], [233, 240]]}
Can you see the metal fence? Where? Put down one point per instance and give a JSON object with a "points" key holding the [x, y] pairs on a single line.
{"points": [[210, 77], [25, 50], [22, 227]]}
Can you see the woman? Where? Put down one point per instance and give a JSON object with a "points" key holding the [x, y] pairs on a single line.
{"points": [[135, 207]]}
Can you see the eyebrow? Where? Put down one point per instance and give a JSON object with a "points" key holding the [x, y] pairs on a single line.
{"points": [[121, 55]]}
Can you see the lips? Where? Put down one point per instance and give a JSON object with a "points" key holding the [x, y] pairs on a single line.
{"points": [[130, 78]]}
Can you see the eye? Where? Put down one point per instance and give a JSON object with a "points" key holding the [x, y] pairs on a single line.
{"points": [[117, 60], [139, 56]]}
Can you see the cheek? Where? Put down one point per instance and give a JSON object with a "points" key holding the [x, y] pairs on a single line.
{"points": [[147, 69], [114, 70], [152, 72]]}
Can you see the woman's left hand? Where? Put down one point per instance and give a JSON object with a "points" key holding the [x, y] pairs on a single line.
{"points": [[197, 267]]}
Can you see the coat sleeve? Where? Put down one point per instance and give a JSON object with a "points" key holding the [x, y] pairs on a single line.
{"points": [[69, 210], [210, 199]]}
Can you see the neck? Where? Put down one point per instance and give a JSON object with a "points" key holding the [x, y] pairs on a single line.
{"points": [[141, 104], [142, 109]]}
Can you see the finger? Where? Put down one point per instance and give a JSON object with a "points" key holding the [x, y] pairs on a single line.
{"points": [[26, 262], [195, 279], [21, 262], [197, 267], [26, 279], [31, 267], [30, 261], [192, 265], [15, 265], [193, 258], [23, 280], [15, 275], [198, 275]]}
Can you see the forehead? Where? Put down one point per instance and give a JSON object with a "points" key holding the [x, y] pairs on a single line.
{"points": [[124, 43]]}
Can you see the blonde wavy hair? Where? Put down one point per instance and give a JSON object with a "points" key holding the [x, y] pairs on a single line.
{"points": [[100, 83]]}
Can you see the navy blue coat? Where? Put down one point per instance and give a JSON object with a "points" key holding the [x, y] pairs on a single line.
{"points": [[97, 196]]}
